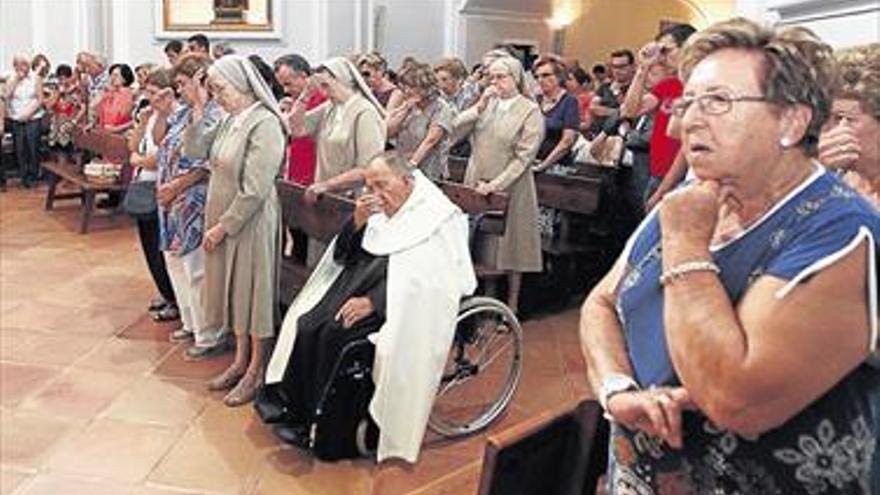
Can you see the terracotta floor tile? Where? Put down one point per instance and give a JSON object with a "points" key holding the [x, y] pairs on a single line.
{"points": [[27, 439], [78, 393], [165, 402], [63, 484], [144, 328], [18, 381], [156, 490], [80, 300], [10, 480], [97, 319], [209, 462], [39, 315], [126, 356], [462, 481], [402, 479], [114, 450], [290, 471], [44, 348], [243, 422], [175, 366]]}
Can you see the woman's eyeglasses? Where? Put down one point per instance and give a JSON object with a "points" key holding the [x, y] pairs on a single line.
{"points": [[711, 103]]}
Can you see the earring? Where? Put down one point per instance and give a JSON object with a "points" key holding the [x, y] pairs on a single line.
{"points": [[785, 142]]}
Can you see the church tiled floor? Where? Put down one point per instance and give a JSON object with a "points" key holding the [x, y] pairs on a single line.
{"points": [[94, 400]]}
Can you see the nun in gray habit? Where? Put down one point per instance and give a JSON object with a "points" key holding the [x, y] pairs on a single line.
{"points": [[246, 152]]}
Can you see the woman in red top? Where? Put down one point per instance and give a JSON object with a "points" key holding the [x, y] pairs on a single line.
{"points": [[580, 84], [114, 110], [65, 106], [663, 152]]}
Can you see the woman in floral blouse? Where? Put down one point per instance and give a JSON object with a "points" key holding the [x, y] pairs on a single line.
{"points": [[181, 192], [730, 342]]}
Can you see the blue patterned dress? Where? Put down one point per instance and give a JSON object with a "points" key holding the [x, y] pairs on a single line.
{"points": [[181, 225], [829, 447]]}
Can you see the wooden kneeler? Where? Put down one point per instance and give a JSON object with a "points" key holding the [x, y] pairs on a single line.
{"points": [[561, 452]]}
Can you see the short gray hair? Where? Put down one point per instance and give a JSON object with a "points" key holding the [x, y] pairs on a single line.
{"points": [[798, 68], [398, 165]]}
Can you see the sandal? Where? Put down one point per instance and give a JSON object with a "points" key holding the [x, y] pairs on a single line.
{"points": [[243, 393], [168, 313], [226, 380]]}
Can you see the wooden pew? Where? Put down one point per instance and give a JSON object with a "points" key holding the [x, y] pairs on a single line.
{"points": [[110, 147], [457, 166], [560, 452], [324, 219], [574, 195], [320, 221]]}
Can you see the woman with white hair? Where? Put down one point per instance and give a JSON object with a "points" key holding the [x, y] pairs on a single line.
{"points": [[24, 92], [506, 128], [242, 217]]}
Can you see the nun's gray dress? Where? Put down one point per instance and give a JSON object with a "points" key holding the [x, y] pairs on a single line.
{"points": [[246, 154]]}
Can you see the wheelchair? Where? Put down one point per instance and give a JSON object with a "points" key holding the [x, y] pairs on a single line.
{"points": [[481, 374]]}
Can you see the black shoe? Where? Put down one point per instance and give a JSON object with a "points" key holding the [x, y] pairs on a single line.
{"points": [[296, 435], [157, 304], [167, 313]]}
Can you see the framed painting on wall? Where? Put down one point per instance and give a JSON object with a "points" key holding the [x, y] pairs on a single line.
{"points": [[232, 19]]}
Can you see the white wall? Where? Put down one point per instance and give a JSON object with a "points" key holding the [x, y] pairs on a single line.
{"points": [[413, 27], [124, 30], [479, 33], [15, 16], [841, 23]]}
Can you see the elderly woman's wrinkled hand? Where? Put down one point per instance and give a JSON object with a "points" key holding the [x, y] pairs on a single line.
{"points": [[314, 192], [839, 147], [689, 215], [655, 411], [484, 188], [213, 237], [166, 194]]}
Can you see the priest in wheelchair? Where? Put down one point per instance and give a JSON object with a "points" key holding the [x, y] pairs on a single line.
{"points": [[386, 294]]}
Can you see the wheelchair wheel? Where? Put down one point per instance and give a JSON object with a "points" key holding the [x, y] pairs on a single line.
{"points": [[482, 370]]}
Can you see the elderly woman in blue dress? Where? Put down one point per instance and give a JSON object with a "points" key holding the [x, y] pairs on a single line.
{"points": [[729, 343]]}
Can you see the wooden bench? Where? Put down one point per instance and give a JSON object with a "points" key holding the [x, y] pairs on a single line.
{"points": [[109, 147], [320, 221], [559, 452], [323, 220], [577, 194], [574, 195]]}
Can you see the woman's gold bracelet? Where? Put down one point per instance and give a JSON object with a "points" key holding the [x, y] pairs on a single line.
{"points": [[680, 270]]}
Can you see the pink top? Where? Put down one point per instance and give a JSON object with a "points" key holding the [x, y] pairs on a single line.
{"points": [[115, 107]]}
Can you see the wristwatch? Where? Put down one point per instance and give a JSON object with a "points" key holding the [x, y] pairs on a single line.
{"points": [[613, 384]]}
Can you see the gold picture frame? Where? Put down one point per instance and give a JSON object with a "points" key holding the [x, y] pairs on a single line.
{"points": [[227, 18]]}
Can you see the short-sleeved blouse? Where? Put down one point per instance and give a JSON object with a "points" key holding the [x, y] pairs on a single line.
{"points": [[828, 447]]}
